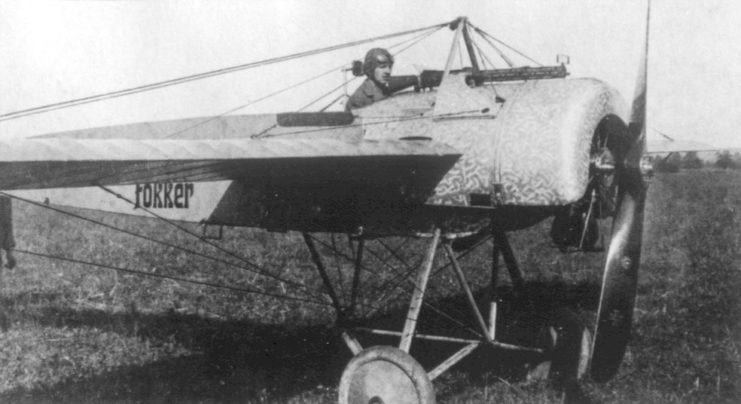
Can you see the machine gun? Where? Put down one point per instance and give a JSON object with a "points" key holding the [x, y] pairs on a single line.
{"points": [[432, 78]]}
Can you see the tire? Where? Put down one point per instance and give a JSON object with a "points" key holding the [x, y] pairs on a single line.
{"points": [[385, 375]]}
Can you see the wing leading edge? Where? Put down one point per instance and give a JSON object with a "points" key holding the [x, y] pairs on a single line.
{"points": [[63, 163]]}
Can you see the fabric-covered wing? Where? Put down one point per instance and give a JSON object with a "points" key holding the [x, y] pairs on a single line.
{"points": [[61, 163]]}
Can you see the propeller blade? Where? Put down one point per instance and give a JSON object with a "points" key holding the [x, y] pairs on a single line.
{"points": [[620, 280]]}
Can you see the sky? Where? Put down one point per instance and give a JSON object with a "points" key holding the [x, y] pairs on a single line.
{"points": [[61, 50]]}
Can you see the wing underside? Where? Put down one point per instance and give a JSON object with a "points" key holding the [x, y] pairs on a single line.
{"points": [[222, 180]]}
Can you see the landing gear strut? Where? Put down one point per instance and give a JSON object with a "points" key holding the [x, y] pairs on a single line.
{"points": [[384, 373]]}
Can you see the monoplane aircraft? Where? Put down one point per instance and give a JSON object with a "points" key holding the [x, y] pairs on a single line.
{"points": [[453, 158], [664, 144]]}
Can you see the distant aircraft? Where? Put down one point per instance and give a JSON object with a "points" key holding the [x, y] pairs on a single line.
{"points": [[665, 144], [459, 155], [662, 148]]}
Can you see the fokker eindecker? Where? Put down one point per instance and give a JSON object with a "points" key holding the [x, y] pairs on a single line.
{"points": [[457, 155]]}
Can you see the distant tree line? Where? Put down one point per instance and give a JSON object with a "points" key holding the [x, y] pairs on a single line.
{"points": [[690, 161], [726, 161]]}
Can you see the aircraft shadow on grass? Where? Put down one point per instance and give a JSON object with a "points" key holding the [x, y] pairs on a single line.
{"points": [[237, 360]]}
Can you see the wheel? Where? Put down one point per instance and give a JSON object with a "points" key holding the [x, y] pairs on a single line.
{"points": [[385, 375], [568, 345], [571, 350]]}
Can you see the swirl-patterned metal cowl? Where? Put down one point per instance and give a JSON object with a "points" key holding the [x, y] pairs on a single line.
{"points": [[522, 143]]}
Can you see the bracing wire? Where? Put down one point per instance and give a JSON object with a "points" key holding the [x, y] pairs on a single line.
{"points": [[249, 263], [484, 58], [326, 94], [414, 41], [205, 283], [340, 276], [395, 283], [401, 289], [138, 235], [487, 36], [171, 277], [266, 131], [485, 62], [198, 76], [501, 54], [326, 107], [274, 93]]}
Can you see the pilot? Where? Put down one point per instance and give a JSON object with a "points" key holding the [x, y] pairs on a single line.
{"points": [[7, 241], [377, 68]]}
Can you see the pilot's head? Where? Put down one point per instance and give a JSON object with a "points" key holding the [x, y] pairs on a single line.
{"points": [[378, 64]]}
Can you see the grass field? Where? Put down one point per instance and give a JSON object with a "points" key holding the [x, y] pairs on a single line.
{"points": [[76, 333]]}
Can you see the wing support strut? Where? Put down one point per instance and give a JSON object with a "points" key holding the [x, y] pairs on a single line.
{"points": [[325, 276], [356, 275], [373, 368], [484, 333], [418, 295], [503, 247], [464, 285], [469, 46]]}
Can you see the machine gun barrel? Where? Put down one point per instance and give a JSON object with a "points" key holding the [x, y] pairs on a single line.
{"points": [[432, 78]]}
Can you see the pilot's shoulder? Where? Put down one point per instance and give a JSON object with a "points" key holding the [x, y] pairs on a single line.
{"points": [[364, 95]]}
